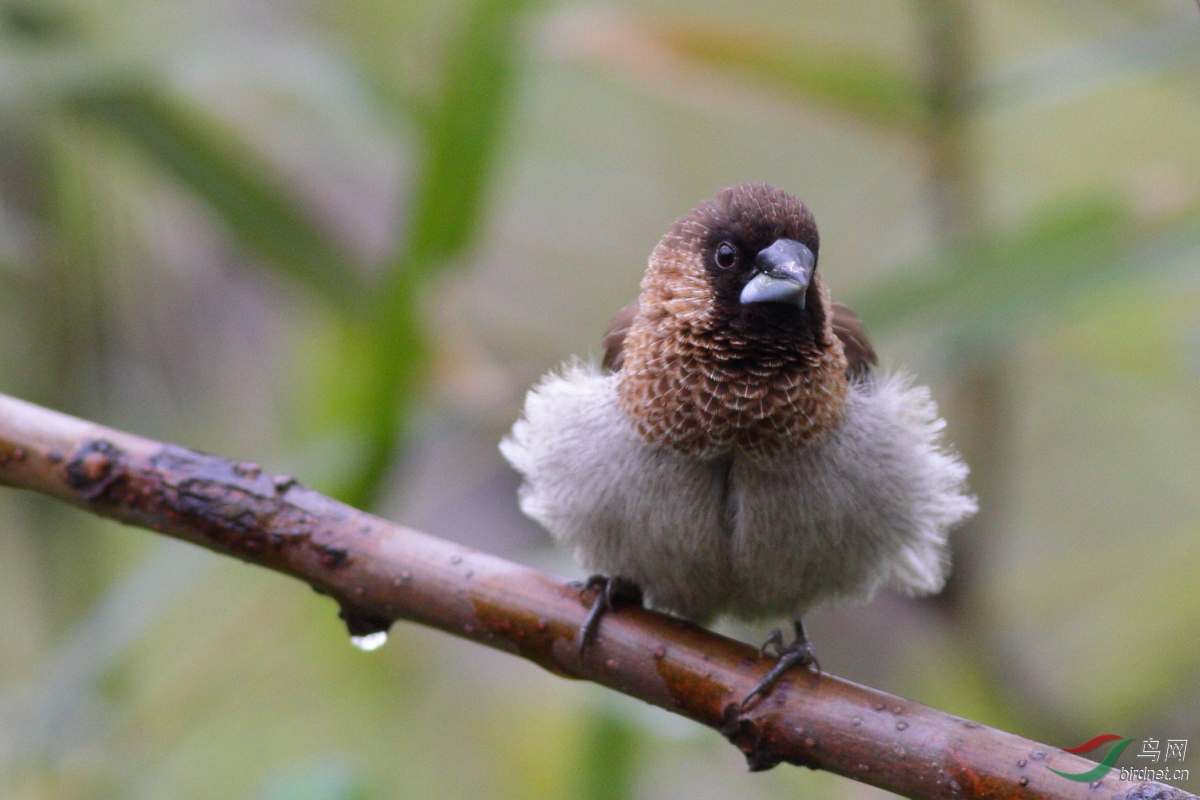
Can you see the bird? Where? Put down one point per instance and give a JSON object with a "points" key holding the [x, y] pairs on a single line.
{"points": [[738, 452]]}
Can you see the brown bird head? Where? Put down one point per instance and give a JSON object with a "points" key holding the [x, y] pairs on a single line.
{"points": [[733, 343], [745, 259]]}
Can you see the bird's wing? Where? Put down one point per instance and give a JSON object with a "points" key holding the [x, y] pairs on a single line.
{"points": [[859, 352], [614, 339]]}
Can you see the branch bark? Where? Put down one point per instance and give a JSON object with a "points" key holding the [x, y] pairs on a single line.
{"points": [[378, 572]]}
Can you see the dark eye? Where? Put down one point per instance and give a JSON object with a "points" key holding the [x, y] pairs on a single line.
{"points": [[726, 255]]}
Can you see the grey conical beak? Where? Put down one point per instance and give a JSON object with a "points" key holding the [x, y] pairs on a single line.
{"points": [[784, 271]]}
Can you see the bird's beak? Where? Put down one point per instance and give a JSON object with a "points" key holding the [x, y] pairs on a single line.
{"points": [[784, 270]]}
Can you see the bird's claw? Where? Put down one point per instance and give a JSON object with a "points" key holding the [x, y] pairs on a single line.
{"points": [[609, 591], [799, 652], [774, 639]]}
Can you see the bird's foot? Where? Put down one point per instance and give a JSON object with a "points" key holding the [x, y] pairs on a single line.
{"points": [[609, 591], [799, 652]]}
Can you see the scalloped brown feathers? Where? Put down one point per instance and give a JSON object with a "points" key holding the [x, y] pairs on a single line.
{"points": [[705, 374]]}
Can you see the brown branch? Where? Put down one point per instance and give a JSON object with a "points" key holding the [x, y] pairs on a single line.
{"points": [[379, 572]]}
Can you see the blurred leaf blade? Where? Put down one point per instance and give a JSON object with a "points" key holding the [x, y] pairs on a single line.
{"points": [[36, 23], [857, 83], [399, 363], [239, 187], [609, 758], [463, 138], [464, 133], [994, 280]]}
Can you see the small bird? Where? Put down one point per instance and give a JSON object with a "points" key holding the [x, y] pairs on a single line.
{"points": [[736, 452]]}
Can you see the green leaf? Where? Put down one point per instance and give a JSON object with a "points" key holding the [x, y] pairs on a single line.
{"points": [[463, 136], [994, 282], [609, 758], [398, 355], [239, 186], [36, 23], [845, 80], [464, 132]]}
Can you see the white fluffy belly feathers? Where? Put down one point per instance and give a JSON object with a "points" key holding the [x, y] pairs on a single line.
{"points": [[867, 505]]}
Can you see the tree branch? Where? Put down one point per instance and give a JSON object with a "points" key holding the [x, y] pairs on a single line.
{"points": [[379, 572]]}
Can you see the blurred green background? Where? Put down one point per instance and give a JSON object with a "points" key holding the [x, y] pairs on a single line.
{"points": [[341, 239]]}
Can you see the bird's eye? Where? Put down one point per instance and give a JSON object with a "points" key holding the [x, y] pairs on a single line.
{"points": [[726, 255]]}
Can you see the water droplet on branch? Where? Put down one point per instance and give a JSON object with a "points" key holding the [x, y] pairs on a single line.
{"points": [[372, 641]]}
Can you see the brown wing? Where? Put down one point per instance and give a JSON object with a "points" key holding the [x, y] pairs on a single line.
{"points": [[859, 352], [614, 340]]}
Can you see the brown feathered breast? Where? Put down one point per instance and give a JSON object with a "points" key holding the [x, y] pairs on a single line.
{"points": [[705, 374], [860, 354]]}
